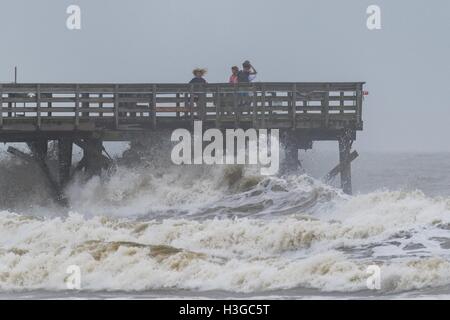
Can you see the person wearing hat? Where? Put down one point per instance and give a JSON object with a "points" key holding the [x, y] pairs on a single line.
{"points": [[198, 76], [198, 79], [248, 72]]}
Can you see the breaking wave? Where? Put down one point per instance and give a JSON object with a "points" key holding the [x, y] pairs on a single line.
{"points": [[220, 228]]}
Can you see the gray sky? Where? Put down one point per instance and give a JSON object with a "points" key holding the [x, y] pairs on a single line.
{"points": [[406, 64]]}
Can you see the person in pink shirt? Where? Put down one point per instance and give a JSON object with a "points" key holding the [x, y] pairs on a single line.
{"points": [[234, 75]]}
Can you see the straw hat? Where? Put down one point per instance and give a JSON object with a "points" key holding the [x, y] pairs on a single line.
{"points": [[201, 71]]}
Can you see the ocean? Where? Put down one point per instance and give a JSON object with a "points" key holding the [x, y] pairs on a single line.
{"points": [[150, 230]]}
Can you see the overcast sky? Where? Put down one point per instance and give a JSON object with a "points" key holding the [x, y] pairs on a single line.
{"points": [[405, 64]]}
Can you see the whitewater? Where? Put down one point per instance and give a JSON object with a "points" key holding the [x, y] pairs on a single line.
{"points": [[150, 230]]}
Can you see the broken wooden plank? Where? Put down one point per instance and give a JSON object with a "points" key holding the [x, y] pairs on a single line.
{"points": [[57, 193], [337, 169]]}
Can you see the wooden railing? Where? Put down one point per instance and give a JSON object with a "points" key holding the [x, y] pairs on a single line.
{"points": [[120, 106]]}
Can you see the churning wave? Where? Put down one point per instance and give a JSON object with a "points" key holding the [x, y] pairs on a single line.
{"points": [[219, 228]]}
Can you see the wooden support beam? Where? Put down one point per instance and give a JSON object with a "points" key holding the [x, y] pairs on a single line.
{"points": [[338, 168], [94, 160], [293, 141], [80, 166], [20, 154], [345, 145], [65, 147], [39, 148], [39, 159]]}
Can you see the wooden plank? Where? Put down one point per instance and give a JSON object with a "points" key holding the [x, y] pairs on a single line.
{"points": [[173, 88], [337, 169], [172, 109]]}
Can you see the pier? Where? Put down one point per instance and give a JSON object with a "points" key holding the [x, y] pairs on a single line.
{"points": [[89, 114]]}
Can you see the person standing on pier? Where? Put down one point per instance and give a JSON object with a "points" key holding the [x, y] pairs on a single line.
{"points": [[198, 98], [198, 76], [248, 73], [234, 75]]}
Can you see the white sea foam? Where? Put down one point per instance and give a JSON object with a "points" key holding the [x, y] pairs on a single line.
{"points": [[227, 229]]}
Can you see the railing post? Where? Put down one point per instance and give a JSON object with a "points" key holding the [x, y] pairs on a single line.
{"points": [[49, 103], [116, 106], [254, 107], [191, 102], [271, 96], [263, 105], [345, 145], [294, 105], [202, 103], [38, 106], [177, 104], [77, 106], [326, 106], [85, 105], [10, 105], [359, 104], [154, 92], [218, 107], [235, 107], [100, 104], [1, 105]]}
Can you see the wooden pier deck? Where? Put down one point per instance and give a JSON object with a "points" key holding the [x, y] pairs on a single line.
{"points": [[88, 114]]}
